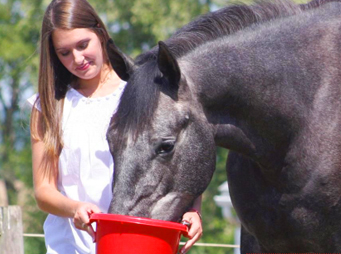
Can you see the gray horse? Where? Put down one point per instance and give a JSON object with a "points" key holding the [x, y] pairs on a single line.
{"points": [[269, 91]]}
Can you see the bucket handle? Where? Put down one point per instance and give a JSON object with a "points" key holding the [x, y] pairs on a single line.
{"points": [[92, 229], [188, 225]]}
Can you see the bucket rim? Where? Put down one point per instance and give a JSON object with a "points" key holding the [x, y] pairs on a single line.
{"points": [[138, 220]]}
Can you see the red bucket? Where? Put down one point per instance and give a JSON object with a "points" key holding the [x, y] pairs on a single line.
{"points": [[120, 234]]}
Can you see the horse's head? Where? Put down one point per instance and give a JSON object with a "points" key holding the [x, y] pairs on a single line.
{"points": [[156, 139]]}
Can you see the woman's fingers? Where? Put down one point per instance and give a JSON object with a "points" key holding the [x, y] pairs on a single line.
{"points": [[189, 244], [193, 221], [82, 216]]}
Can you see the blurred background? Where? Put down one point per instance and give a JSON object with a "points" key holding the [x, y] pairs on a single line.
{"points": [[135, 26]]}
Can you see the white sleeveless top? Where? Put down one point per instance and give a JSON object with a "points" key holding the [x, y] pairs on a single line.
{"points": [[85, 166]]}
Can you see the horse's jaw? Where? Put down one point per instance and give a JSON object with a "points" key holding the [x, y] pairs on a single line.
{"points": [[170, 207]]}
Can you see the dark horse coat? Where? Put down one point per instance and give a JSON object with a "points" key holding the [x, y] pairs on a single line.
{"points": [[262, 81]]}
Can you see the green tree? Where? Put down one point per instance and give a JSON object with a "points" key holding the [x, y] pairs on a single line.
{"points": [[19, 33], [137, 25]]}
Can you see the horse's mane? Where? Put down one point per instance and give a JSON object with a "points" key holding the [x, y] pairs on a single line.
{"points": [[140, 97], [226, 21]]}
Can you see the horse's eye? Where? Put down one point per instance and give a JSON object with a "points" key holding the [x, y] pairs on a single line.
{"points": [[165, 147]]}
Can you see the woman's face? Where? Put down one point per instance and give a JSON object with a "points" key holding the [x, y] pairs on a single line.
{"points": [[80, 51]]}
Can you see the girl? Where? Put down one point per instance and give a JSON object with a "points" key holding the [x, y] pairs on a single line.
{"points": [[78, 93]]}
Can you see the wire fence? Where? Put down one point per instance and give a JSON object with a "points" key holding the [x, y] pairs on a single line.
{"points": [[214, 245]]}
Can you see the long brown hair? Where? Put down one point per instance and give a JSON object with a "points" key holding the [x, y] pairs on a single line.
{"points": [[54, 78]]}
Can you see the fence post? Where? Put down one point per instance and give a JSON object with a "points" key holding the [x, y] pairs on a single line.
{"points": [[11, 230], [3, 193]]}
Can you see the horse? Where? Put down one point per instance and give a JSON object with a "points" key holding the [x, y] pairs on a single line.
{"points": [[266, 88]]}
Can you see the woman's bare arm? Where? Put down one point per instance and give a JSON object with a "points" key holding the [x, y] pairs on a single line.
{"points": [[46, 192]]}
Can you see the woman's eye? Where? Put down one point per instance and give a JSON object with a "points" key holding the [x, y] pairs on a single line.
{"points": [[64, 53], [84, 45]]}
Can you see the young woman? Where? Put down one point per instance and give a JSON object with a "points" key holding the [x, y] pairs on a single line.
{"points": [[78, 93]]}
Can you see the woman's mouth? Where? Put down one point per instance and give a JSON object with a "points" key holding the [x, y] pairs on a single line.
{"points": [[83, 67]]}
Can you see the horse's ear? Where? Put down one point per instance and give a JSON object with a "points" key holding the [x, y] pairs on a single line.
{"points": [[168, 65], [120, 62]]}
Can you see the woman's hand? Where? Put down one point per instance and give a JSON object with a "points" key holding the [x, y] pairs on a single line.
{"points": [[81, 218], [195, 229]]}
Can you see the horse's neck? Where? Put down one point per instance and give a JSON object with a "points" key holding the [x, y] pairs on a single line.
{"points": [[246, 115], [243, 94], [263, 72], [265, 86], [236, 84]]}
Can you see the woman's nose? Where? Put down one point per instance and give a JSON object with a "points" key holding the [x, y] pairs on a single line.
{"points": [[78, 57]]}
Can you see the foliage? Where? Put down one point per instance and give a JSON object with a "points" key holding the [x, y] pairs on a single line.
{"points": [[19, 33], [137, 25]]}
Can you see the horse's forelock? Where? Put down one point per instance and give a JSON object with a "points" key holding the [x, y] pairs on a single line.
{"points": [[138, 103]]}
